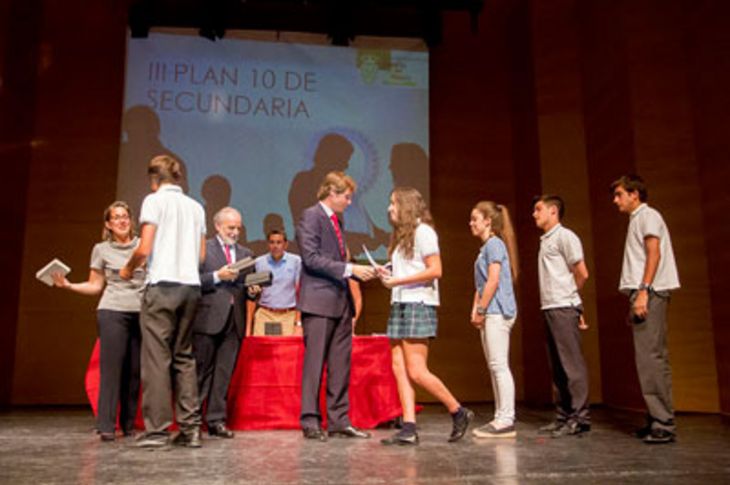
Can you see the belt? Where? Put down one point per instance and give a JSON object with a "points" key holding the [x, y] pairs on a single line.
{"points": [[278, 310]]}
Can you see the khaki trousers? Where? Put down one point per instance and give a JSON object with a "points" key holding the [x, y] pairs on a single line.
{"points": [[287, 320]]}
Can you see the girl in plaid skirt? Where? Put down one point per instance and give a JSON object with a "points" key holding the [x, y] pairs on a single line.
{"points": [[413, 280]]}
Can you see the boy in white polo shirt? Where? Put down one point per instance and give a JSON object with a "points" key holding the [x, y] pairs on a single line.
{"points": [[648, 275], [562, 273], [172, 242]]}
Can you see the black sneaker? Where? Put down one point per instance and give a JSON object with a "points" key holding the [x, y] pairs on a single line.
{"points": [[571, 428], [659, 436], [461, 423], [551, 428], [402, 438]]}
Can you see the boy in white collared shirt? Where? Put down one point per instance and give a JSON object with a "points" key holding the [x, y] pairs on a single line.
{"points": [[648, 274], [172, 243]]}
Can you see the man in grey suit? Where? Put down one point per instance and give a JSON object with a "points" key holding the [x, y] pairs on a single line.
{"points": [[327, 309], [220, 319]]}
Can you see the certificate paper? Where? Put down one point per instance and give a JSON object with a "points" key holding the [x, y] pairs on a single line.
{"points": [[370, 257]]}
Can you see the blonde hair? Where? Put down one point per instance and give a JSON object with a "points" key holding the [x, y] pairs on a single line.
{"points": [[106, 233], [337, 182], [411, 211], [502, 227]]}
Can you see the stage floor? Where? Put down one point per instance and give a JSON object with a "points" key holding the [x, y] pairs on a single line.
{"points": [[39, 446]]}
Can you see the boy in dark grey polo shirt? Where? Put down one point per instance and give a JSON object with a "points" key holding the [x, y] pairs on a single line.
{"points": [[562, 272]]}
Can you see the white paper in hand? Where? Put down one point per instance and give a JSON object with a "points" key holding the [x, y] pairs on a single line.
{"points": [[55, 266], [370, 257]]}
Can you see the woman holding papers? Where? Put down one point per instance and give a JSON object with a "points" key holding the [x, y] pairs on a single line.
{"points": [[494, 309], [413, 280], [118, 320]]}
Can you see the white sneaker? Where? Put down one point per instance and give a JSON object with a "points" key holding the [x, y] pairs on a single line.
{"points": [[490, 431]]}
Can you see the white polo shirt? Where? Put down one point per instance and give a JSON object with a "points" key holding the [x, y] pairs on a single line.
{"points": [[560, 250], [646, 221], [425, 244], [180, 222]]}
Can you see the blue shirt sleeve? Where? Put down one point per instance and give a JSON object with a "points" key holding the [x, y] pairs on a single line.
{"points": [[495, 251]]}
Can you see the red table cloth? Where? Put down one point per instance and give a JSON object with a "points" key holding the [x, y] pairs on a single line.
{"points": [[265, 390]]}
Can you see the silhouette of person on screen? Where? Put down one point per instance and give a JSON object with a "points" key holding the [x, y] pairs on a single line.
{"points": [[216, 192], [141, 128], [333, 153], [409, 167]]}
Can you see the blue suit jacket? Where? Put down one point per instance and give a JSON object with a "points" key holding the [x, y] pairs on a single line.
{"points": [[323, 289]]}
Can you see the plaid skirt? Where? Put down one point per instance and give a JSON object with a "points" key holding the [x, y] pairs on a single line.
{"points": [[412, 320]]}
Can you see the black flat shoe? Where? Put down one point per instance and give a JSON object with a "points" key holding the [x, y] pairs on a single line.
{"points": [[220, 430], [659, 436], [152, 441], [642, 432], [349, 432], [401, 438], [571, 428], [551, 428], [188, 438], [314, 434]]}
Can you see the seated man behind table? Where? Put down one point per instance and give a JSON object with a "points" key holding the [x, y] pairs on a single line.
{"points": [[276, 308]]}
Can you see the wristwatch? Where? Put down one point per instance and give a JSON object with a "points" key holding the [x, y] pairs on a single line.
{"points": [[644, 286], [481, 311]]}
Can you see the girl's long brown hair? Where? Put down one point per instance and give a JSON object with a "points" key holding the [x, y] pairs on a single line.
{"points": [[411, 211]]}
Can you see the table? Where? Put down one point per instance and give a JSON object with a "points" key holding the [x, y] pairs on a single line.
{"points": [[265, 390]]}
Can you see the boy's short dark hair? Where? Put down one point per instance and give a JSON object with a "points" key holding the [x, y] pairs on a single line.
{"points": [[276, 231], [553, 200], [631, 183]]}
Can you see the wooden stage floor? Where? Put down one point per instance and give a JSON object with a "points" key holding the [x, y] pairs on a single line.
{"points": [[59, 446]]}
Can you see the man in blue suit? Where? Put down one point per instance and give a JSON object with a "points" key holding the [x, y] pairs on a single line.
{"points": [[327, 308], [220, 318]]}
